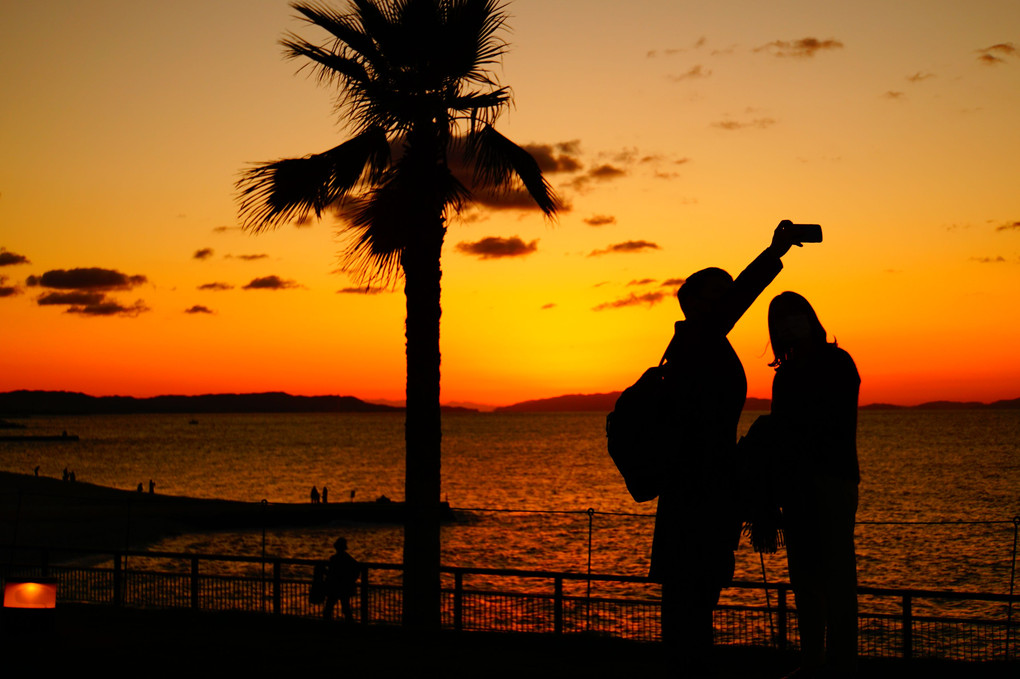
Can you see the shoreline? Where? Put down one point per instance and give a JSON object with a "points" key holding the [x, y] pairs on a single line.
{"points": [[40, 511]]}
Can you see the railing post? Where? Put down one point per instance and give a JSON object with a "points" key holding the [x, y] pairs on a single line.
{"points": [[458, 601], [558, 605], [194, 582], [118, 575], [782, 615], [277, 586], [364, 595], [908, 628]]}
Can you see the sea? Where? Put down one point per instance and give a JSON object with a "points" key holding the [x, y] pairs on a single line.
{"points": [[938, 495]]}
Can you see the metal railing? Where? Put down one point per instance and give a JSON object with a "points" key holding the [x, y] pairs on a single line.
{"points": [[509, 600]]}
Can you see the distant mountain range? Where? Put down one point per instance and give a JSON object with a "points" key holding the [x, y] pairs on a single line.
{"points": [[14, 403], [26, 403]]}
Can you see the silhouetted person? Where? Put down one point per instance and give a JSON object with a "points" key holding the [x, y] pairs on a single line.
{"points": [[342, 572], [315, 495], [152, 486], [697, 525], [814, 420], [36, 470], [66, 476], [325, 495]]}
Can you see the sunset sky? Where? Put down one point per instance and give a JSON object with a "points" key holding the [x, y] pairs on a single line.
{"points": [[678, 134]]}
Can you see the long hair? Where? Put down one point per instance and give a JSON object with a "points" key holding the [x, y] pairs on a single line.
{"points": [[788, 304]]}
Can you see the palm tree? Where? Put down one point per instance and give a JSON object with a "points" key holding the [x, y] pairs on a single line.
{"points": [[419, 100]]}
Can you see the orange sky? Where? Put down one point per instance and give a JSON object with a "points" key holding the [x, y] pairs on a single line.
{"points": [[688, 129]]}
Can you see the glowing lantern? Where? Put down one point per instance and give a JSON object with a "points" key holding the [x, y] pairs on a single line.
{"points": [[35, 593]]}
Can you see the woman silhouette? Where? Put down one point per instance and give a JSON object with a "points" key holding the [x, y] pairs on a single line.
{"points": [[814, 412]]}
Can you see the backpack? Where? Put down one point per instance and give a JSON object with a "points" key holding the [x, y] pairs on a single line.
{"points": [[639, 434]]}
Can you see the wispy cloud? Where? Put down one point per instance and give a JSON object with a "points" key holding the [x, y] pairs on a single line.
{"points": [[550, 305], [362, 290], [600, 220], [626, 246], [217, 286], [495, 247], [803, 48], [643, 281], [204, 253], [109, 307], [198, 309], [920, 76], [673, 282], [11, 258], [989, 260], [997, 54], [893, 94], [694, 73], [648, 298], [732, 125], [8, 290], [249, 258], [270, 283], [1015, 226], [562, 157]]}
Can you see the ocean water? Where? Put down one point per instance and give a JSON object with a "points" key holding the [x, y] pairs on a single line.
{"points": [[938, 489]]}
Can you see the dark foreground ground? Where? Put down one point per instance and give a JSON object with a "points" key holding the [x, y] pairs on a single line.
{"points": [[99, 641]]}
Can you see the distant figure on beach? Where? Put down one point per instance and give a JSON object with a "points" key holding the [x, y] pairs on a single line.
{"points": [[71, 477], [814, 421], [342, 572], [66, 476], [37, 470], [325, 495], [139, 486], [697, 524], [315, 495], [152, 486]]}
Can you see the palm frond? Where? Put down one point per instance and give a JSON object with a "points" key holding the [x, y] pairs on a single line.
{"points": [[499, 164], [275, 192]]}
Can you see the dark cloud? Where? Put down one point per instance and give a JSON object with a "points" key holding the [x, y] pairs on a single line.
{"points": [[516, 199], [626, 246], [270, 283], [8, 290], [198, 309], [805, 47], [892, 94], [673, 282], [759, 123], [92, 278], [109, 308], [216, 286], [550, 305], [693, 73], [996, 53], [920, 76], [249, 258], [224, 229], [600, 220], [551, 158], [1015, 226], [604, 172], [494, 247], [204, 253], [76, 297], [12, 258], [649, 298], [988, 260], [643, 281]]}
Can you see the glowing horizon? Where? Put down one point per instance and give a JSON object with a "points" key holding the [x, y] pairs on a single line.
{"points": [[679, 143]]}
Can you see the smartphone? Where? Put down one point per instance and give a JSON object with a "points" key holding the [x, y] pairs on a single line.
{"points": [[806, 233]]}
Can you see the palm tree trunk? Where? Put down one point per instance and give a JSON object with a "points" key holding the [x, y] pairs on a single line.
{"points": [[423, 427]]}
